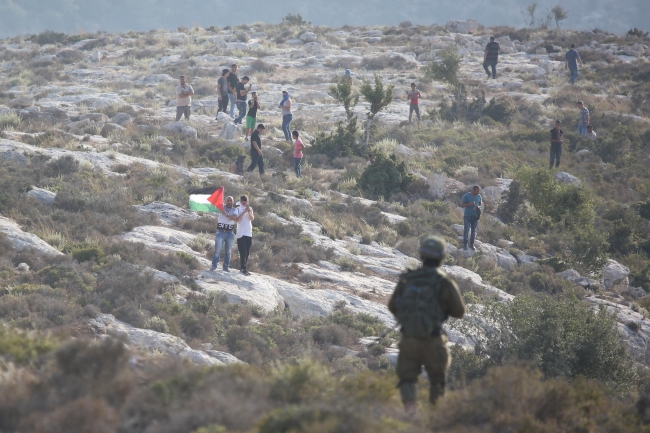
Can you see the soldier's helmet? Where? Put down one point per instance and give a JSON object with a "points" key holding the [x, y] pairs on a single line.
{"points": [[433, 247]]}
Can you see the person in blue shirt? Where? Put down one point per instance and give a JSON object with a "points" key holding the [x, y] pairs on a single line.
{"points": [[572, 60], [471, 201]]}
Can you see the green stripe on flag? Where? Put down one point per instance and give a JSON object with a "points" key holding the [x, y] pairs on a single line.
{"points": [[200, 203]]}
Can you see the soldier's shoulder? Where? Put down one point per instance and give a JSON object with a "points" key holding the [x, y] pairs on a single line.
{"points": [[446, 277]]}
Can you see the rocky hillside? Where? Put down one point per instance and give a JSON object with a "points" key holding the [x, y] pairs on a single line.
{"points": [[104, 268]]}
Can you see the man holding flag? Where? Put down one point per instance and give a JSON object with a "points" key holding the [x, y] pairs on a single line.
{"points": [[211, 200]]}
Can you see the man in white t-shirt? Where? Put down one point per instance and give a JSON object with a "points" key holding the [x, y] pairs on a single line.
{"points": [[244, 220], [591, 133], [225, 236], [184, 94]]}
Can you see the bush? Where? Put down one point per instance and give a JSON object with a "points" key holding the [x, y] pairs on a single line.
{"points": [[385, 177], [10, 119], [22, 347], [502, 110], [342, 143], [563, 337]]}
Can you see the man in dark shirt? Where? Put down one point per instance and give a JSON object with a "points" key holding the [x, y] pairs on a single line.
{"points": [[256, 150], [242, 95], [572, 60], [491, 57], [556, 144], [233, 79]]}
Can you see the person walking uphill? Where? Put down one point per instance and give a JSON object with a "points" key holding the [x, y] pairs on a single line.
{"points": [[184, 94], [297, 152], [572, 60], [233, 79], [414, 97], [222, 89], [557, 137], [287, 115], [256, 149], [472, 203], [245, 220], [423, 300], [491, 57], [225, 235]]}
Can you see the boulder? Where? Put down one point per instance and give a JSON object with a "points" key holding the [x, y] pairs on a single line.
{"points": [[436, 184], [573, 276], [96, 56], [231, 132], [44, 196], [117, 40], [95, 117], [167, 213], [475, 281], [615, 275], [567, 178], [312, 46], [14, 157], [21, 103], [21, 240], [180, 128], [462, 26], [308, 37], [540, 50], [158, 78], [122, 119], [494, 193], [223, 117], [111, 127], [506, 260]]}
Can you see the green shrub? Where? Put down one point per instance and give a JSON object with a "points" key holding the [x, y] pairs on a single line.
{"points": [[9, 119], [385, 177], [563, 337], [502, 110], [158, 324], [86, 252], [23, 347], [341, 143]]}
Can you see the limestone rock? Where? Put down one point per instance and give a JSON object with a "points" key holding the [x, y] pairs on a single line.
{"points": [[158, 78], [111, 127], [436, 184], [44, 196], [181, 129], [167, 213], [22, 267], [21, 103], [466, 276], [573, 276], [231, 131], [21, 240], [308, 37], [122, 119], [14, 157], [462, 26], [615, 275], [567, 178], [155, 342], [506, 260]]}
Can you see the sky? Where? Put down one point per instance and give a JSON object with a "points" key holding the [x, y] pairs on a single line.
{"points": [[19, 17]]}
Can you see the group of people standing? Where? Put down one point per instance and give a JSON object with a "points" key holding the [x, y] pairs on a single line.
{"points": [[241, 214]]}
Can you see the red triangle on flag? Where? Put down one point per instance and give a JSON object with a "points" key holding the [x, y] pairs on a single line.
{"points": [[217, 198]]}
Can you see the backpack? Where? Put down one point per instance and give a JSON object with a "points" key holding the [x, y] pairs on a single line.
{"points": [[418, 311]]}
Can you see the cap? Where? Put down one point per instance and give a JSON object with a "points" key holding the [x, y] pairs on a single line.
{"points": [[433, 247]]}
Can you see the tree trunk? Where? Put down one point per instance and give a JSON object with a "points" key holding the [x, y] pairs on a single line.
{"points": [[367, 133]]}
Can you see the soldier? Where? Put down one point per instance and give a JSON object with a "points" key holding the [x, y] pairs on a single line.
{"points": [[422, 301]]}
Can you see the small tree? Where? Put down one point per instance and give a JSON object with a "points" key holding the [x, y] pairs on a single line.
{"points": [[379, 98], [385, 177], [295, 20], [559, 14], [447, 69], [529, 14], [343, 93]]}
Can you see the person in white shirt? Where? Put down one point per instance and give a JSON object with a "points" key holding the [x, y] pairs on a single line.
{"points": [[225, 236], [244, 220], [591, 133], [184, 94]]}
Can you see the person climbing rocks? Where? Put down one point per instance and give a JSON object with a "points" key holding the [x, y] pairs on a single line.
{"points": [[251, 116], [233, 79], [422, 301], [298, 147], [184, 94], [256, 150], [225, 236], [472, 203], [245, 218], [571, 63], [583, 118], [414, 97], [557, 137], [491, 57], [222, 91], [237, 167], [287, 115]]}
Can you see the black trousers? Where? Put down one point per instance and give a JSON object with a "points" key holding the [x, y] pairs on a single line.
{"points": [[256, 161], [493, 64], [244, 246], [223, 104]]}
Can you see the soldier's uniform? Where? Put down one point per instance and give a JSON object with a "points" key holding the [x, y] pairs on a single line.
{"points": [[429, 351]]}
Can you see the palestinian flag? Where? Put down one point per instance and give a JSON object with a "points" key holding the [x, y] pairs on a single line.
{"points": [[207, 200]]}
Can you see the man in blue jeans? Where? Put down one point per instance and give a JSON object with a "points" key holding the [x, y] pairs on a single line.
{"points": [[572, 60], [471, 201], [583, 118], [233, 79], [225, 235]]}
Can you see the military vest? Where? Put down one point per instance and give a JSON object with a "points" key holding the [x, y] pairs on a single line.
{"points": [[418, 310]]}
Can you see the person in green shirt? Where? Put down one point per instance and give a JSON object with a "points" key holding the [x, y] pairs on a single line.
{"points": [[471, 201]]}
